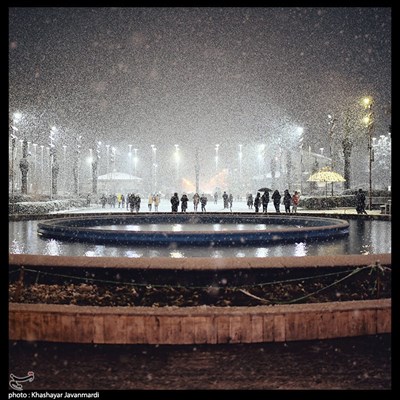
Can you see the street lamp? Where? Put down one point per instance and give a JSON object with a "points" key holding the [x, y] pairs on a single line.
{"points": [[216, 157], [130, 158], [16, 118], [154, 168], [331, 121], [300, 132], [77, 164], [135, 159], [177, 159], [260, 160], [368, 120], [41, 167], [113, 158], [35, 165], [108, 156], [65, 167], [240, 164], [53, 131]]}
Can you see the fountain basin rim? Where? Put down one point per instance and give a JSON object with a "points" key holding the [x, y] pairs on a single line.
{"points": [[78, 229], [199, 263]]}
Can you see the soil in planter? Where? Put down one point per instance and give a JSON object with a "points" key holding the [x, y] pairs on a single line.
{"points": [[358, 284]]}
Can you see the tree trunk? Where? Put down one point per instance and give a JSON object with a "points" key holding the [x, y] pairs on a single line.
{"points": [[347, 147], [24, 167], [54, 171], [94, 177]]}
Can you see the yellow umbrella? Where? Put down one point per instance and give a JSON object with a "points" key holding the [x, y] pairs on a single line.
{"points": [[326, 175]]}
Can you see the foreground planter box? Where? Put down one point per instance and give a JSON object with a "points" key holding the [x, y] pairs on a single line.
{"points": [[195, 325]]}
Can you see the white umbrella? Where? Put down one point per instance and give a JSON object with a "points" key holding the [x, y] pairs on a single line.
{"points": [[326, 175]]}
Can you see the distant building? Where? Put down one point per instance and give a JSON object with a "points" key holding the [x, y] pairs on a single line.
{"points": [[120, 182]]}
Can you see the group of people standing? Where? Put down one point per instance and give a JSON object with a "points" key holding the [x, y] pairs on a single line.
{"points": [[263, 200], [154, 199], [183, 201]]}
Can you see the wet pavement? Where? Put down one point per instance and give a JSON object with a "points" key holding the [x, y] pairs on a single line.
{"points": [[238, 206]]}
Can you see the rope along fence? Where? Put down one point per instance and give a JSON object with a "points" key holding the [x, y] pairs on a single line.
{"points": [[378, 271]]}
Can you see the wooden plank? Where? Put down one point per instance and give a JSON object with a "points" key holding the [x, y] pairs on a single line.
{"points": [[85, 325], [341, 318], [33, 324], [367, 322], [135, 329], [279, 327], [187, 330], [268, 327], [50, 327], [203, 330], [362, 322], [384, 320], [308, 326], [98, 329], [151, 328], [170, 329], [326, 326], [222, 324], [257, 328], [115, 328], [67, 328], [14, 326], [235, 329], [246, 328], [301, 326]]}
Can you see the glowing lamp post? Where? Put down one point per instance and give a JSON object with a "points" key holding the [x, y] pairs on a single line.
{"points": [[368, 120], [135, 159], [331, 122], [300, 132], [154, 168], [177, 159], [216, 157], [108, 158], [130, 158], [240, 158], [65, 168], [52, 154]]}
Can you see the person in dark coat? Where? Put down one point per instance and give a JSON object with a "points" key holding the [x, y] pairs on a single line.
{"points": [[103, 200], [276, 198], [132, 201], [265, 201], [257, 202], [174, 203], [225, 198], [203, 202], [184, 202], [230, 200], [250, 201], [137, 203], [360, 202], [287, 200]]}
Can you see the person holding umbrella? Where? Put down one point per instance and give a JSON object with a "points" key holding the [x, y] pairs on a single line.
{"points": [[265, 198], [265, 201]]}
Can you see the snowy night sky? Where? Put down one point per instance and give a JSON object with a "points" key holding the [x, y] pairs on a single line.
{"points": [[195, 76]]}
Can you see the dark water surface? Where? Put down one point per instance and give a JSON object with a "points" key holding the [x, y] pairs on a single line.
{"points": [[365, 237]]}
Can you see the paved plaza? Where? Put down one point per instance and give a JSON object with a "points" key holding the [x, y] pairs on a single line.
{"points": [[237, 206]]}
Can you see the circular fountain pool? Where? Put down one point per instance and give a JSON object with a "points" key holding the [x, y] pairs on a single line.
{"points": [[186, 229]]}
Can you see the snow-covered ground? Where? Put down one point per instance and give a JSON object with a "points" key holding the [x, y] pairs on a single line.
{"points": [[237, 206]]}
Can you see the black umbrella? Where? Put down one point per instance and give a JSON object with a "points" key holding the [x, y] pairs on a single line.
{"points": [[264, 189]]}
